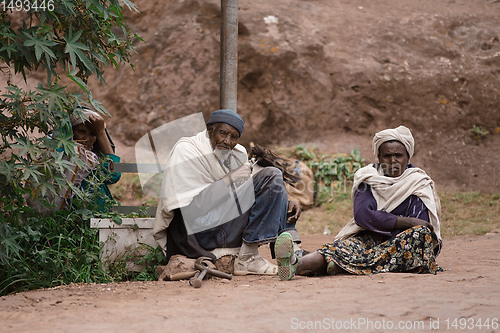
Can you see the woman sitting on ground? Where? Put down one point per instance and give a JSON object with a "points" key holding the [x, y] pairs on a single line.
{"points": [[396, 219]]}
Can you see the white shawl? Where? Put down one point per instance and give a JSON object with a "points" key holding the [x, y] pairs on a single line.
{"points": [[390, 192], [191, 167]]}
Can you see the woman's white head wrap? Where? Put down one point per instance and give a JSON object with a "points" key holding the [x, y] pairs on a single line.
{"points": [[401, 134], [76, 119]]}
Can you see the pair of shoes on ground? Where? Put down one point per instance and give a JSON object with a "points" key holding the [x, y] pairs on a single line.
{"points": [[256, 265], [285, 256]]}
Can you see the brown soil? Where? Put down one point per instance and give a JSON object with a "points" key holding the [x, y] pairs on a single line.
{"points": [[467, 289], [329, 73]]}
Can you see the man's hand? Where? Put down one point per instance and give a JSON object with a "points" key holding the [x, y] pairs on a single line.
{"points": [[293, 212], [239, 175]]}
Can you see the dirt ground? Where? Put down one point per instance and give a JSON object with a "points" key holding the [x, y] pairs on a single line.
{"points": [[326, 73], [467, 290]]}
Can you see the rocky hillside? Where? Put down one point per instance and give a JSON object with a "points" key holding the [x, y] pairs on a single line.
{"points": [[328, 73]]}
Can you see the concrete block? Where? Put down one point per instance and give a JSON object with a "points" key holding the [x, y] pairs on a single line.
{"points": [[125, 240]]}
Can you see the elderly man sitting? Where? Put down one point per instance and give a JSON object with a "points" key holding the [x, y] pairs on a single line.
{"points": [[211, 200]]}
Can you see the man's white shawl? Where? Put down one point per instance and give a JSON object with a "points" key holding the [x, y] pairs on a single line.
{"points": [[390, 192], [191, 167]]}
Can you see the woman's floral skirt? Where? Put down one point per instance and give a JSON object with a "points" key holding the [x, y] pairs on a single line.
{"points": [[370, 253]]}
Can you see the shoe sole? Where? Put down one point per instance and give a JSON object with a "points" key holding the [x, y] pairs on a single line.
{"points": [[243, 273], [284, 251]]}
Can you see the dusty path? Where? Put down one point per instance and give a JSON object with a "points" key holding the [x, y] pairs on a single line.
{"points": [[469, 290]]}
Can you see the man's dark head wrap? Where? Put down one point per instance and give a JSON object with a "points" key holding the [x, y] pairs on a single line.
{"points": [[229, 117]]}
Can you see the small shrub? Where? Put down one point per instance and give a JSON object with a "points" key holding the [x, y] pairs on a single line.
{"points": [[42, 252], [478, 132], [333, 174]]}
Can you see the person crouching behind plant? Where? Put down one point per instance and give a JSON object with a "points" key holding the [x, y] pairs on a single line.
{"points": [[95, 150], [92, 135]]}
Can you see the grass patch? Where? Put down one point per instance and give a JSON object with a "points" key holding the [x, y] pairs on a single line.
{"points": [[462, 213], [332, 216], [469, 213], [128, 192]]}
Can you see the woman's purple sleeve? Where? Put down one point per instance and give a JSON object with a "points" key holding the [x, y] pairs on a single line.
{"points": [[366, 214]]}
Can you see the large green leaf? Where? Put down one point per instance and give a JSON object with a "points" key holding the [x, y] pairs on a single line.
{"points": [[75, 49], [41, 43]]}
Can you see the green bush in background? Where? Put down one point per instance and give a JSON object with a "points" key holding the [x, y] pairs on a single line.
{"points": [[61, 249], [333, 174], [69, 43]]}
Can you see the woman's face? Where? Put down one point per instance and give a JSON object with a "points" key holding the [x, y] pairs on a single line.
{"points": [[393, 158], [84, 135]]}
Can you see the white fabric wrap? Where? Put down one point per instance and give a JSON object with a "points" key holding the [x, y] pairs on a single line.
{"points": [[401, 134], [390, 192], [191, 167], [77, 120]]}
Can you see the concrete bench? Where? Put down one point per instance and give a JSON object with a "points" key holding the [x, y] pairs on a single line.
{"points": [[133, 237], [128, 240]]}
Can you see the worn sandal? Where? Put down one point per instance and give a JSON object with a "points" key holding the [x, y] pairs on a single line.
{"points": [[256, 265], [284, 254]]}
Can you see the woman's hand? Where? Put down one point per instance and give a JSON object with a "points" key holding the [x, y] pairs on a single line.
{"points": [[97, 123], [403, 223]]}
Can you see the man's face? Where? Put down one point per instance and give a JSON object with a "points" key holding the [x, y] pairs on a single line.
{"points": [[393, 158], [223, 137]]}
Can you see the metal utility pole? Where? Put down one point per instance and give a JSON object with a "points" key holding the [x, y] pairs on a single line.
{"points": [[229, 54]]}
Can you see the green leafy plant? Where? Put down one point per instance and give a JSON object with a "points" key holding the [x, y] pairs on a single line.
{"points": [[49, 251], [304, 153], [66, 44], [71, 43], [478, 132], [333, 174], [41, 252]]}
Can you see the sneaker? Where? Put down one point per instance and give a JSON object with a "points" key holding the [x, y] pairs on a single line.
{"points": [[284, 256]]}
